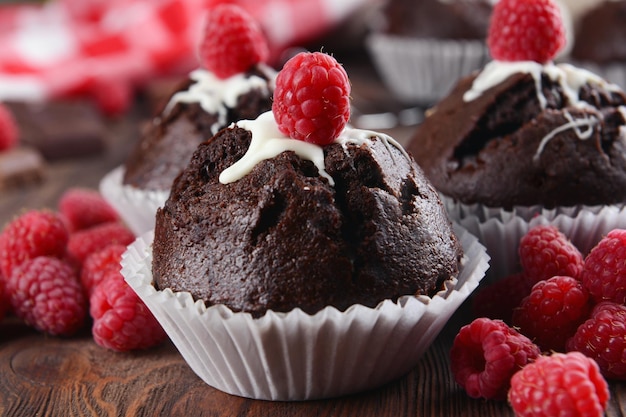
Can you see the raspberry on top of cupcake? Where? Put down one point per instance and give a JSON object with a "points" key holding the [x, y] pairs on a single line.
{"points": [[234, 82], [525, 131], [295, 209]]}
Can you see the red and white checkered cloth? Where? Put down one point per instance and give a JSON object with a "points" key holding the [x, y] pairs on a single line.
{"points": [[73, 47]]}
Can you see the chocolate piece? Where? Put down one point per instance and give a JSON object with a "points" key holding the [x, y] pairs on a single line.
{"points": [[282, 237], [61, 129], [19, 167], [504, 148]]}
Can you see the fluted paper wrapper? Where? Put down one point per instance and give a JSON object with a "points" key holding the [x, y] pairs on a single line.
{"points": [[424, 70], [459, 211], [501, 233], [294, 355], [136, 207]]}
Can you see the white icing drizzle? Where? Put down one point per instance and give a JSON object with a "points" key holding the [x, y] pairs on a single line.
{"points": [[360, 137], [215, 95], [569, 77], [268, 141], [622, 128], [588, 122]]}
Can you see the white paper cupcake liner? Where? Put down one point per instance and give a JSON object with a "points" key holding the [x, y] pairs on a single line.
{"points": [[424, 70], [501, 234], [136, 207], [459, 211], [294, 355]]}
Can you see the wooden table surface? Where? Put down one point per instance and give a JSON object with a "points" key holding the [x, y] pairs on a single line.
{"points": [[50, 376]]}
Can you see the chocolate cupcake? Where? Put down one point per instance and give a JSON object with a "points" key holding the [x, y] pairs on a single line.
{"points": [[526, 134], [526, 141], [421, 48], [292, 243], [283, 237], [599, 44], [207, 101]]}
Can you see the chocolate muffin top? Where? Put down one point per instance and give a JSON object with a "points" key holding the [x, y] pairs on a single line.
{"points": [[601, 34], [524, 134], [306, 227], [200, 107], [466, 19]]}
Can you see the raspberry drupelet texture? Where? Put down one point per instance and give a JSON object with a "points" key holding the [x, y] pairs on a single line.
{"points": [[4, 299], [552, 312], [97, 266], [233, 41], [559, 385], [603, 338], [83, 243], [604, 269], [312, 98], [485, 354], [34, 233], [545, 252], [526, 30], [497, 300], [121, 321], [46, 294], [83, 208], [9, 133]]}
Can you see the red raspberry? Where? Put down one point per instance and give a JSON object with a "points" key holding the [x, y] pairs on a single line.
{"points": [[113, 98], [546, 252], [552, 312], [46, 294], [525, 30], [497, 300], [84, 208], [98, 264], [9, 134], [558, 385], [34, 233], [4, 299], [122, 322], [603, 338], [85, 242], [604, 270], [485, 354], [233, 41], [312, 98]]}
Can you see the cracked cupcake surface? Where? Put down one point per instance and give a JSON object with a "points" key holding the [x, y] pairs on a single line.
{"points": [[523, 133], [363, 227]]}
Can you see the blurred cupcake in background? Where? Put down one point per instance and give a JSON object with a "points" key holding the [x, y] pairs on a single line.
{"points": [[421, 48], [233, 83], [600, 41], [526, 139]]}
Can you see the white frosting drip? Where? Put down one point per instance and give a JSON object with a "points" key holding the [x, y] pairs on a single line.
{"points": [[216, 95], [587, 122], [268, 141], [568, 76], [622, 128]]}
